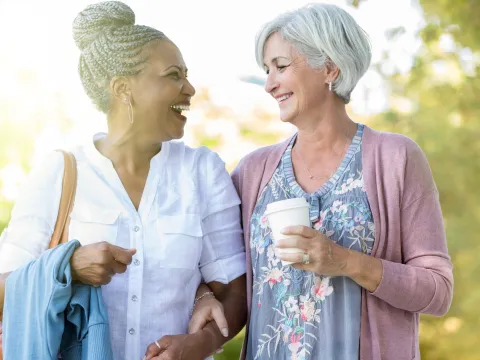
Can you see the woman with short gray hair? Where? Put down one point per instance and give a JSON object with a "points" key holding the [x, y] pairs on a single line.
{"points": [[326, 36], [154, 217], [375, 255]]}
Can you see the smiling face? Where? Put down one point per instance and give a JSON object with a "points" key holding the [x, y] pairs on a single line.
{"points": [[299, 90], [161, 92]]}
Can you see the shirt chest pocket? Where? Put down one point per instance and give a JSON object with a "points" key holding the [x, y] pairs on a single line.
{"points": [[91, 225], [180, 241]]}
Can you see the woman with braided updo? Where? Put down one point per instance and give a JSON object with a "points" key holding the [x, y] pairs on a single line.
{"points": [[155, 218]]}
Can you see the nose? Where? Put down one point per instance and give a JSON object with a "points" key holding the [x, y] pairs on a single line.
{"points": [[271, 84], [188, 88]]}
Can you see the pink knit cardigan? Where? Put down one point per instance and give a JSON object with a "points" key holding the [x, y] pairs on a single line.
{"points": [[409, 239]]}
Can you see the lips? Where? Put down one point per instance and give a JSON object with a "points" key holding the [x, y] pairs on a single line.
{"points": [[179, 116]]}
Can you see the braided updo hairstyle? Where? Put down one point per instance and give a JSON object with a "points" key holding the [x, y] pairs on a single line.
{"points": [[110, 45]]}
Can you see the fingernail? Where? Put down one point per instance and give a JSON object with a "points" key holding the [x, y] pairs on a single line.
{"points": [[225, 332], [219, 351]]}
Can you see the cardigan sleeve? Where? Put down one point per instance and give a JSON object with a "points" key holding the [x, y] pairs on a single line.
{"points": [[423, 282], [236, 176]]}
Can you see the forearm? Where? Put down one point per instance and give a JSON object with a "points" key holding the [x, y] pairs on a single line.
{"points": [[365, 270], [412, 287], [3, 280], [234, 301], [424, 286]]}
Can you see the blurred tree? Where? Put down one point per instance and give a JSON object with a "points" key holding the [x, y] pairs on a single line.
{"points": [[355, 3], [22, 120], [231, 134], [436, 104]]}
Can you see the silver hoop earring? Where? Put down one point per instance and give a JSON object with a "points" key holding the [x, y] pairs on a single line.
{"points": [[130, 111], [329, 86]]}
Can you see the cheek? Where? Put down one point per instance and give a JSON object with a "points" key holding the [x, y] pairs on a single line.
{"points": [[311, 92], [289, 81], [303, 101], [156, 95], [293, 81]]}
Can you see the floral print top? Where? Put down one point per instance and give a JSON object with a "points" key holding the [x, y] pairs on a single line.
{"points": [[298, 314]]}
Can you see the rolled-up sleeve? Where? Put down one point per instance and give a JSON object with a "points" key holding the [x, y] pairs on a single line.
{"points": [[33, 216], [223, 253]]}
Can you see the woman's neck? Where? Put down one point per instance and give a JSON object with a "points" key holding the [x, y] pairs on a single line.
{"points": [[128, 151], [328, 132]]}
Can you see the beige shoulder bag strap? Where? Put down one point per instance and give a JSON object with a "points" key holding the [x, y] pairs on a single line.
{"points": [[69, 187]]}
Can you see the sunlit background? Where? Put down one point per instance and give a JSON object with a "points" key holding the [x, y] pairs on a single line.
{"points": [[423, 82]]}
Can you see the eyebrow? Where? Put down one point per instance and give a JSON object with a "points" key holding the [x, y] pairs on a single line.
{"points": [[276, 58], [181, 68]]}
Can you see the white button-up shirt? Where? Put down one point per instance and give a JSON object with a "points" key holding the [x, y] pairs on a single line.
{"points": [[187, 228]]}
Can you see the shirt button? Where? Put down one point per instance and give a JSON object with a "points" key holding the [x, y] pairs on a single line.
{"points": [[136, 229], [137, 262], [131, 331], [134, 298]]}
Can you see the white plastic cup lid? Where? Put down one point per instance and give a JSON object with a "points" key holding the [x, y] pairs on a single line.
{"points": [[286, 204]]}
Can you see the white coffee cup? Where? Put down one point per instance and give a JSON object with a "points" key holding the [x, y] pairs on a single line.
{"points": [[281, 214]]}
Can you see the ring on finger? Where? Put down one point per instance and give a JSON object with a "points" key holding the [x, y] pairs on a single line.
{"points": [[306, 259]]}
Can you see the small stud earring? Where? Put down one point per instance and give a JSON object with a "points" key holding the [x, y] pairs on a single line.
{"points": [[329, 86]]}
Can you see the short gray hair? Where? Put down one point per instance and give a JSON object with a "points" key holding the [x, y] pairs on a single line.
{"points": [[323, 33], [110, 43]]}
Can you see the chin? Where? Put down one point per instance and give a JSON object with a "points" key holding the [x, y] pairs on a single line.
{"points": [[177, 135], [286, 117]]}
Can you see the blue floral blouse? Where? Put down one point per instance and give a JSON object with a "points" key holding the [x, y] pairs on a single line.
{"points": [[298, 314]]}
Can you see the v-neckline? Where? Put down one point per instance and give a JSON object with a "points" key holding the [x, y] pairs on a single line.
{"points": [[330, 183], [104, 167]]}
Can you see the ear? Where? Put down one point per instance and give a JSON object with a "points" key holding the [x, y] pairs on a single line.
{"points": [[120, 89], [331, 71]]}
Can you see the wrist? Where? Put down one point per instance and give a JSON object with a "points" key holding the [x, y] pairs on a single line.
{"points": [[202, 288], [73, 272], [365, 270], [353, 266], [200, 297], [204, 343]]}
